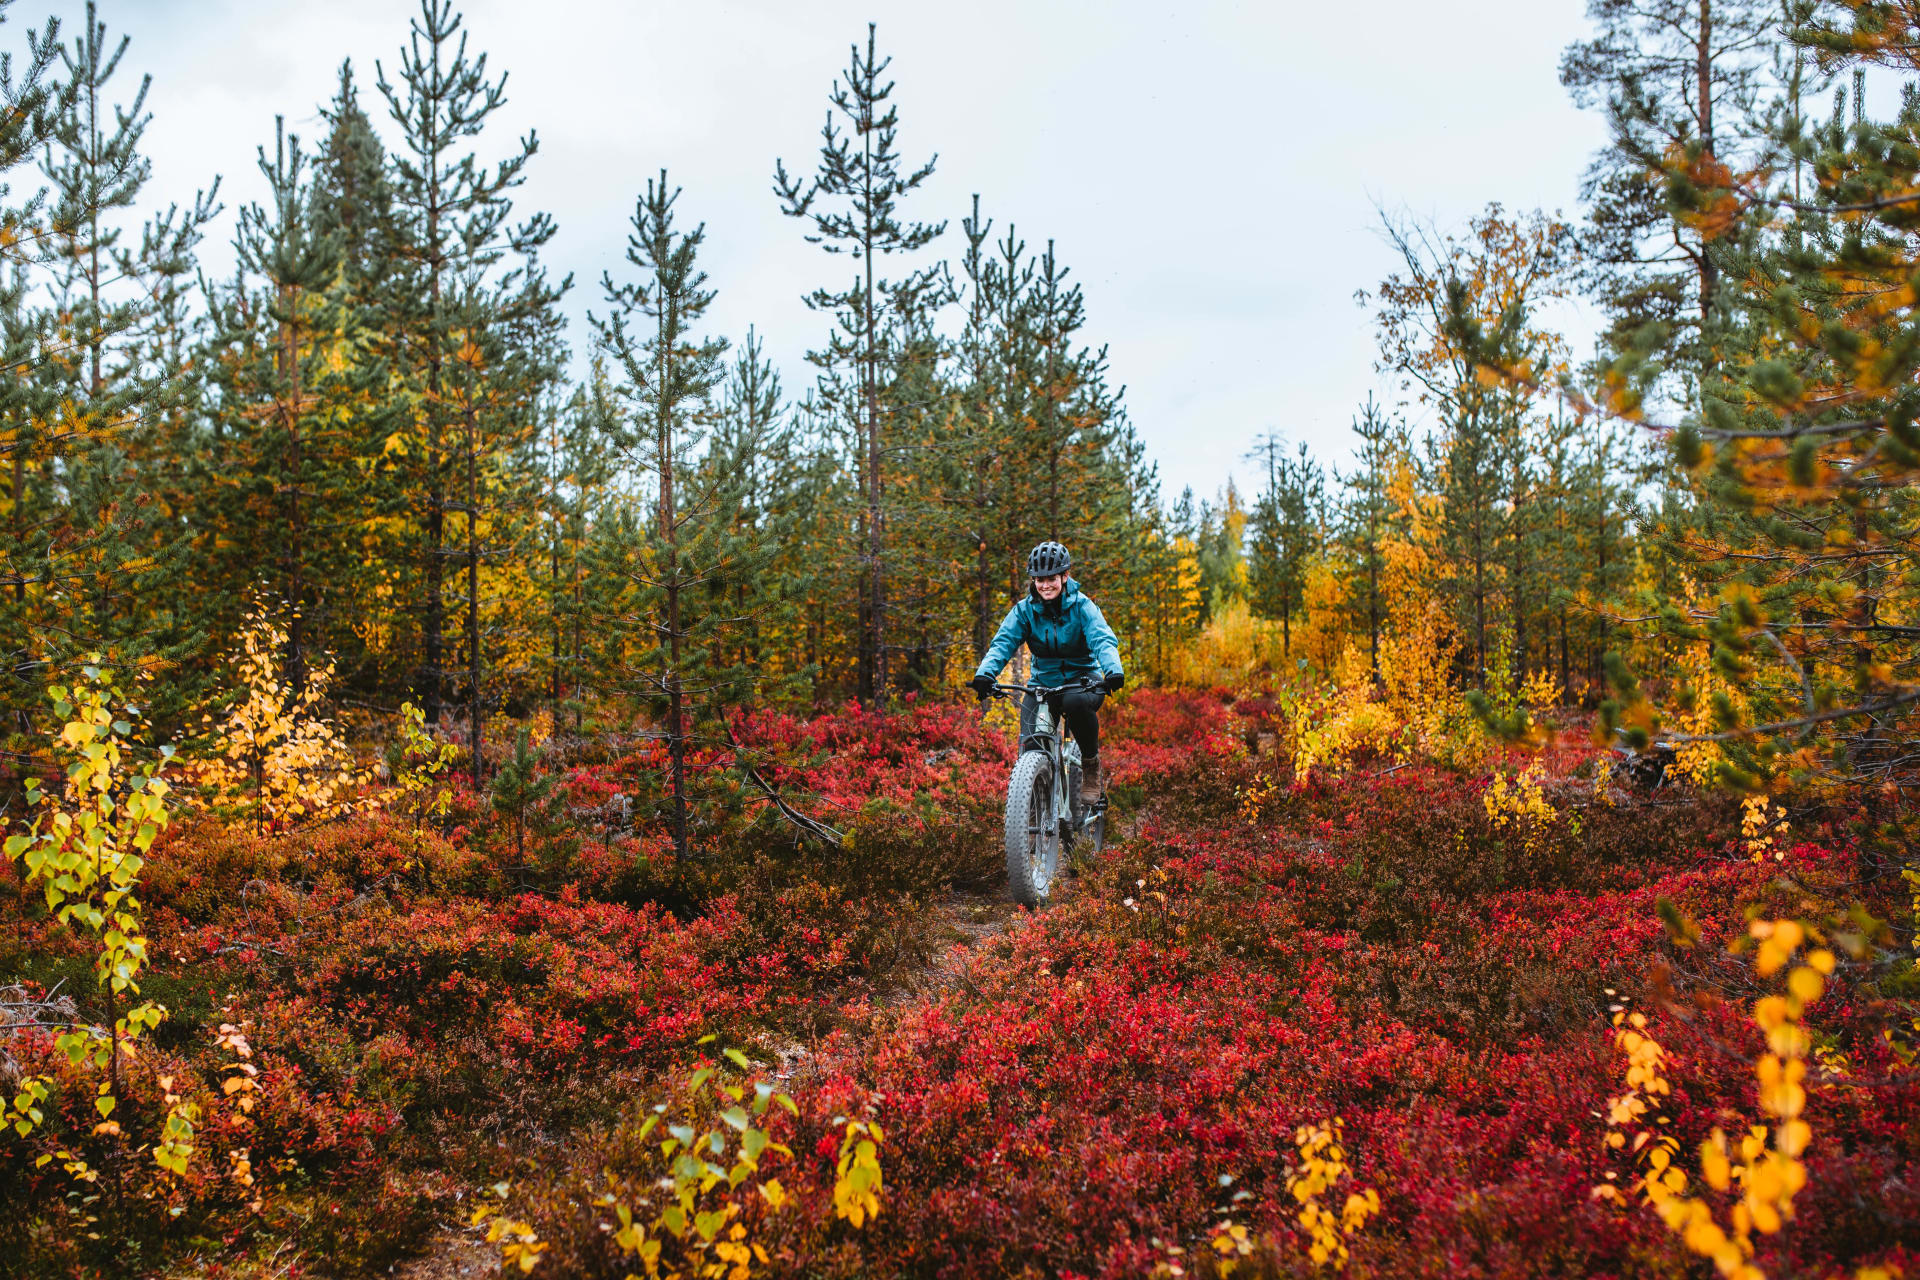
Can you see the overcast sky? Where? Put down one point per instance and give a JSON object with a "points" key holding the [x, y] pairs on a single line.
{"points": [[1209, 171]]}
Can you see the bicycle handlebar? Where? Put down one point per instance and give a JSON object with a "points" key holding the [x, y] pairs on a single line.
{"points": [[1047, 691]]}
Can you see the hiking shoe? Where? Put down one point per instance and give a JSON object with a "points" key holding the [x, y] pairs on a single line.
{"points": [[1090, 788]]}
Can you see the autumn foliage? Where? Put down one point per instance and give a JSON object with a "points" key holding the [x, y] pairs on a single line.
{"points": [[434, 824]]}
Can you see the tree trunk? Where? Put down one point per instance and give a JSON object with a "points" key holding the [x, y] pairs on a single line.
{"points": [[1373, 602], [874, 679], [434, 623], [1703, 75], [475, 708], [669, 533], [294, 560]]}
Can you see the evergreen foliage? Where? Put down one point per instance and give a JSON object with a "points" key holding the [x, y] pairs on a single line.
{"points": [[370, 423], [852, 205], [684, 562]]}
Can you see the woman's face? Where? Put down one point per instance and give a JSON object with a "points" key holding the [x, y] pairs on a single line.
{"points": [[1049, 588]]}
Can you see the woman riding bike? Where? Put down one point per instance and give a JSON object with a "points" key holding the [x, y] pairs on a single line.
{"points": [[1069, 640]]}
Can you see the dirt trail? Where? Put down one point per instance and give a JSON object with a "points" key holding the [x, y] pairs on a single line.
{"points": [[962, 922], [453, 1253]]}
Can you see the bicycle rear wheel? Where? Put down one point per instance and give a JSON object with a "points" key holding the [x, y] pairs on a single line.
{"points": [[1032, 830], [1086, 830]]}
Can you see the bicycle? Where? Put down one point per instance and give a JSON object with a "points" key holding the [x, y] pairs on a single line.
{"points": [[1045, 814]]}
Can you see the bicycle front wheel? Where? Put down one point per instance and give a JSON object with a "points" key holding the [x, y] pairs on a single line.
{"points": [[1033, 831]]}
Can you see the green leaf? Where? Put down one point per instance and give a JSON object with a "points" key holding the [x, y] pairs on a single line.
{"points": [[739, 1059], [104, 1105], [737, 1117]]}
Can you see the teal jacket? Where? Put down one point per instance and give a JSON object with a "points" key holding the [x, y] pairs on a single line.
{"points": [[1068, 636]]}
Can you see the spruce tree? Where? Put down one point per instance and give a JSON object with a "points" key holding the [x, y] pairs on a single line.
{"points": [[751, 462], [353, 194], [981, 455]]}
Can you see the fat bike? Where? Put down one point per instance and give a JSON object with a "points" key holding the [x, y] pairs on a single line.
{"points": [[1045, 814]]}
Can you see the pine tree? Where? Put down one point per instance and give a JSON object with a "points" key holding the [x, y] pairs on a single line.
{"points": [[116, 561], [1366, 515], [1796, 524], [859, 186], [451, 215], [685, 564], [518, 786], [580, 470], [1458, 299], [30, 438], [1283, 533], [1680, 82], [269, 487]]}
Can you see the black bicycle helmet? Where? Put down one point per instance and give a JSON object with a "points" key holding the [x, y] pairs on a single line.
{"points": [[1048, 559]]}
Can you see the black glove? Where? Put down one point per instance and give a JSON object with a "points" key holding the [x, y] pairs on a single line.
{"points": [[982, 685], [1114, 680]]}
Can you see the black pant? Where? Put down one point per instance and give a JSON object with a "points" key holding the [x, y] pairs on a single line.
{"points": [[1081, 711]]}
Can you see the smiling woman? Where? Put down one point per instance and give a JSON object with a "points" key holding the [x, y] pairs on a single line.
{"points": [[1070, 641]]}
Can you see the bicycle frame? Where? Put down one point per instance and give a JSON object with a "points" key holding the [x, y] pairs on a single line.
{"points": [[1048, 736], [1060, 748]]}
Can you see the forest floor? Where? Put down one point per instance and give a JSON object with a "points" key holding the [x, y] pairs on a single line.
{"points": [[1423, 960], [959, 923]]}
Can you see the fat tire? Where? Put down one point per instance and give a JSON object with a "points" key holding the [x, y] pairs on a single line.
{"points": [[1033, 770]]}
